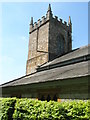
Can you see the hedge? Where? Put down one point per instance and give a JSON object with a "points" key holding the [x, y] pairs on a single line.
{"points": [[27, 109], [7, 108]]}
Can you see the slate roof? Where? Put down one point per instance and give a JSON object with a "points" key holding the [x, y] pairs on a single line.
{"points": [[62, 69], [82, 51]]}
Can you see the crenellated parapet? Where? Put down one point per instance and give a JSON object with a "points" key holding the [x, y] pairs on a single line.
{"points": [[48, 17], [63, 23], [39, 23]]}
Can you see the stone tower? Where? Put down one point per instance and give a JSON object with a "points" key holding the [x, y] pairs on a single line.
{"points": [[49, 38]]}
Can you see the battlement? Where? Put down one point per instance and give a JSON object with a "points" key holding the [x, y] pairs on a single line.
{"points": [[39, 23], [48, 17], [61, 22], [44, 20]]}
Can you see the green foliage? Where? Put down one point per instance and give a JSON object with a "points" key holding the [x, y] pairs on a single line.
{"points": [[7, 108], [27, 109], [33, 109], [78, 110]]}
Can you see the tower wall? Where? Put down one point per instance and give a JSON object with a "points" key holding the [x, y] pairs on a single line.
{"points": [[59, 42], [38, 46]]}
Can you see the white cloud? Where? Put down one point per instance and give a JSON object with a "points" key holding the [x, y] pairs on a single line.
{"points": [[23, 38]]}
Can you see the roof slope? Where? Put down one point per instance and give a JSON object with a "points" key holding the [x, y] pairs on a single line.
{"points": [[76, 69], [82, 51]]}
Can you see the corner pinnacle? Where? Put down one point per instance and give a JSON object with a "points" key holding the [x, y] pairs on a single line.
{"points": [[49, 7], [69, 21], [31, 21]]}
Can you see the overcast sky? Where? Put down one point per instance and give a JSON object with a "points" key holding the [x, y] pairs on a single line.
{"points": [[15, 31]]}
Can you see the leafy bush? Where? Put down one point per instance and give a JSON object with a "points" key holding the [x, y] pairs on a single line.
{"points": [[27, 109], [7, 108], [78, 110]]}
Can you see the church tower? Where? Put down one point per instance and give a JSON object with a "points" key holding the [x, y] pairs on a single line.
{"points": [[49, 38]]}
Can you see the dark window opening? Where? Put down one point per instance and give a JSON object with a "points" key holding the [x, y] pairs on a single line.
{"points": [[60, 44], [55, 98], [48, 98], [42, 98]]}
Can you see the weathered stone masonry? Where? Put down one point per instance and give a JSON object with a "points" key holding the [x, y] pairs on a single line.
{"points": [[48, 39]]}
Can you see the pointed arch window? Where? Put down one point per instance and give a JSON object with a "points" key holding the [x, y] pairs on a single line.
{"points": [[60, 44]]}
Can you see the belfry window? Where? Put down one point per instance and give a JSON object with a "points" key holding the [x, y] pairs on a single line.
{"points": [[60, 44]]}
